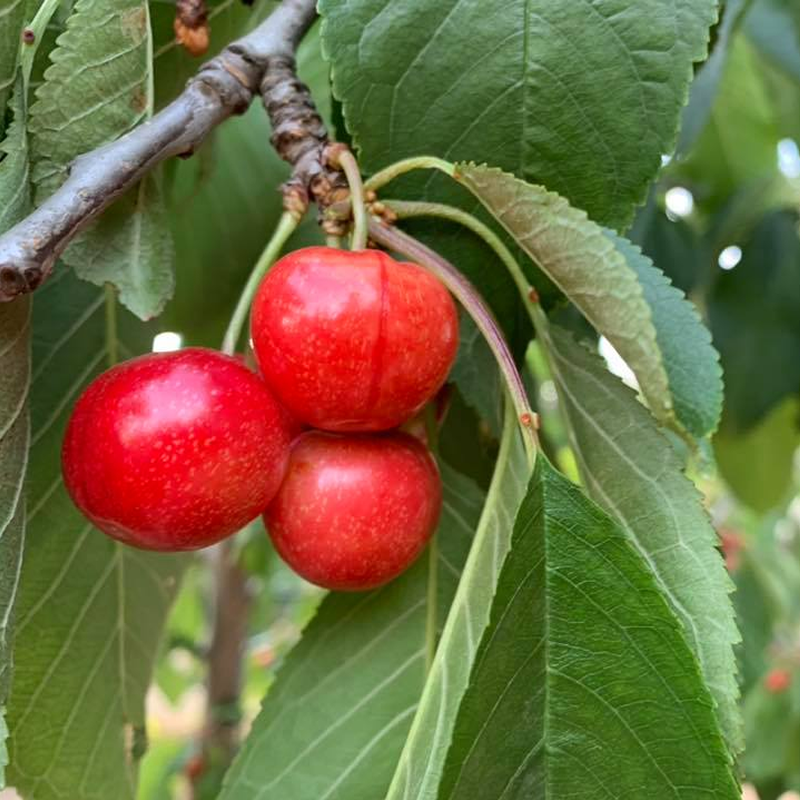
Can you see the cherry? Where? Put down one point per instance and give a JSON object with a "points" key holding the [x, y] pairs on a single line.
{"points": [[353, 341], [355, 511], [777, 680], [175, 451]]}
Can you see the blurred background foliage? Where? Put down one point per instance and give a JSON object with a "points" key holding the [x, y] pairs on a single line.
{"points": [[722, 221]]}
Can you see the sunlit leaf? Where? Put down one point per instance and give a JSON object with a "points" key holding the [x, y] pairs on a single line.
{"points": [[631, 469], [619, 291], [583, 685]]}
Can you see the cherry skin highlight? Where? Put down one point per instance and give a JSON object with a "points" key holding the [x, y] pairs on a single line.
{"points": [[352, 341], [175, 451], [355, 511]]}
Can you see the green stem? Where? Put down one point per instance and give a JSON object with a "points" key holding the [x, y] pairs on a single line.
{"points": [[393, 171], [349, 166], [406, 209], [286, 226], [334, 242]]}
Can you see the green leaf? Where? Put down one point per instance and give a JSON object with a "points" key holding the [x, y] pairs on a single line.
{"points": [[753, 313], [773, 745], [631, 469], [774, 27], [476, 374], [3, 748], [757, 464], [15, 364], [671, 244], [691, 362], [618, 290], [334, 723], [422, 759], [705, 85], [12, 16], [90, 611], [518, 84], [583, 685], [743, 120], [98, 87]]}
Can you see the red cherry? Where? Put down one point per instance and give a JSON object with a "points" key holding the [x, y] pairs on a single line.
{"points": [[353, 341], [355, 511], [777, 680], [175, 451]]}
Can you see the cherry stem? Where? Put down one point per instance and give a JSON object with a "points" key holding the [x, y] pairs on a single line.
{"points": [[347, 161], [393, 171], [334, 242], [286, 227], [469, 297], [408, 209]]}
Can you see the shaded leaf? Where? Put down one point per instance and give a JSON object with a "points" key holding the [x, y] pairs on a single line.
{"points": [[757, 464], [334, 723], [420, 766], [752, 311], [774, 27], [672, 245], [15, 363], [774, 746], [98, 87], [525, 95], [619, 291], [476, 374], [704, 87], [630, 468], [742, 121], [14, 436], [583, 685], [90, 611]]}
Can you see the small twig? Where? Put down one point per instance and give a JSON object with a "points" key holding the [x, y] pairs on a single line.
{"points": [[300, 138], [231, 613], [223, 86]]}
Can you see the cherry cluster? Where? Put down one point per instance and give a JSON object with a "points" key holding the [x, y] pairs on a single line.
{"points": [[176, 451]]}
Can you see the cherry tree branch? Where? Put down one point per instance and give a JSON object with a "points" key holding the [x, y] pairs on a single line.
{"points": [[223, 86]]}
